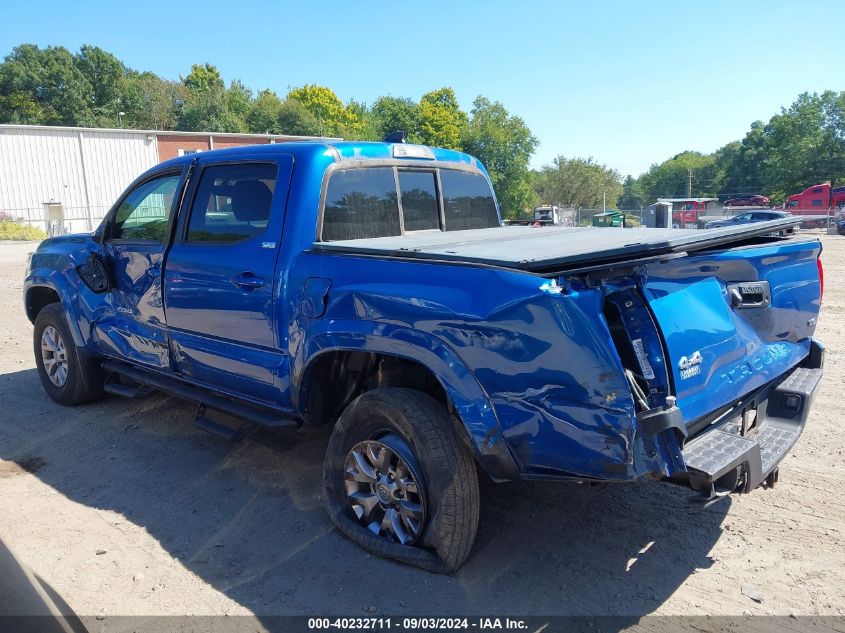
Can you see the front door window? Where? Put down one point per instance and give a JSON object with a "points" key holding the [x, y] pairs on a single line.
{"points": [[144, 213]]}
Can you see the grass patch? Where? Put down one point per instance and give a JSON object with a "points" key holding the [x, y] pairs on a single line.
{"points": [[20, 231]]}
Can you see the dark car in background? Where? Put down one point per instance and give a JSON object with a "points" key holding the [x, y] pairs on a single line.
{"points": [[747, 218], [748, 201]]}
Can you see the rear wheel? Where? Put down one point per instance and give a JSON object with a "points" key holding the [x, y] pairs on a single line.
{"points": [[384, 489], [64, 373], [400, 483]]}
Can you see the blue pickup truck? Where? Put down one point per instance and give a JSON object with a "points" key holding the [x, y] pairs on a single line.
{"points": [[371, 287]]}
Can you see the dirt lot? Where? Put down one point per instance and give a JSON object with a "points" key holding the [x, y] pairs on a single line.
{"points": [[124, 508]]}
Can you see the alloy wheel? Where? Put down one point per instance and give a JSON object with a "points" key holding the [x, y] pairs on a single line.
{"points": [[54, 356], [384, 490]]}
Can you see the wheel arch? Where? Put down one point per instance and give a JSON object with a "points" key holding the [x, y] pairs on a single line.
{"points": [[398, 357], [43, 287], [37, 298]]}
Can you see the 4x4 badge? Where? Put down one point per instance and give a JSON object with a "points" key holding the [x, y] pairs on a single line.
{"points": [[690, 366]]}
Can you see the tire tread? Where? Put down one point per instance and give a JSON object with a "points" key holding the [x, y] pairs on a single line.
{"points": [[455, 482]]}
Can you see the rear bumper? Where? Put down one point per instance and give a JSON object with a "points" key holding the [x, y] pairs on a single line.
{"points": [[744, 451]]}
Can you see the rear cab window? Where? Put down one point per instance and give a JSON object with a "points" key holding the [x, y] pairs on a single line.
{"points": [[370, 202], [420, 209], [361, 203], [467, 201]]}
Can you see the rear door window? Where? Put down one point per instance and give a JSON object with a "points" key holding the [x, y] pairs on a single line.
{"points": [[232, 203], [467, 200], [420, 209], [360, 204]]}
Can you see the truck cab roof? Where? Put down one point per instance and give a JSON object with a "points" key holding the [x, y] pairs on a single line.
{"points": [[342, 150]]}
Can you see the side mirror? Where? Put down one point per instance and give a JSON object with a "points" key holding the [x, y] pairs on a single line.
{"points": [[95, 274]]}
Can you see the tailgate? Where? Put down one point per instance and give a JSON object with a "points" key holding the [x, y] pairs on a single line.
{"points": [[734, 320]]}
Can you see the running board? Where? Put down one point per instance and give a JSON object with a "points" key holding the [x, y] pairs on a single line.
{"points": [[201, 397], [231, 433], [113, 386]]}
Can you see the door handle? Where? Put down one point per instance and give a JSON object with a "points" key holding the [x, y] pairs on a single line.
{"points": [[247, 281], [750, 294]]}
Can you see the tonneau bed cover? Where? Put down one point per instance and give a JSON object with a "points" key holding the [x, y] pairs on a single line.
{"points": [[542, 248]]}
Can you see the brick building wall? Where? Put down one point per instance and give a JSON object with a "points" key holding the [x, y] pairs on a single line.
{"points": [[169, 145]]}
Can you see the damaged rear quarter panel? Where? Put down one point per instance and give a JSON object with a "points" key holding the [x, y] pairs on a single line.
{"points": [[545, 360]]}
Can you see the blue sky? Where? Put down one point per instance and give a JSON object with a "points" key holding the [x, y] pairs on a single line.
{"points": [[628, 83]]}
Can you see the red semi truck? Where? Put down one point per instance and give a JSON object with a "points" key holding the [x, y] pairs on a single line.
{"points": [[816, 199]]}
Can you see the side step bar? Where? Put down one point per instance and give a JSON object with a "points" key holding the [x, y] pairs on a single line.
{"points": [[231, 433], [113, 386], [204, 399]]}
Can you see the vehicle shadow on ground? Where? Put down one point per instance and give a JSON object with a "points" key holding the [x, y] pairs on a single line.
{"points": [[246, 518]]}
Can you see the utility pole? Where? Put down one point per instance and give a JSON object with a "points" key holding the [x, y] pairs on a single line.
{"points": [[689, 184]]}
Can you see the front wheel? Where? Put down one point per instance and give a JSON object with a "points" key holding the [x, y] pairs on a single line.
{"points": [[64, 374], [400, 483]]}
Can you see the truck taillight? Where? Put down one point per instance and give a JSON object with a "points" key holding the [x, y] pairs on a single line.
{"points": [[821, 280]]}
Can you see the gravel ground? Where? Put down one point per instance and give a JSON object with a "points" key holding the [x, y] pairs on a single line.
{"points": [[125, 509]]}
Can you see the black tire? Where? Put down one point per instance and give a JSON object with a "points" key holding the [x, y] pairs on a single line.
{"points": [[447, 470], [83, 382]]}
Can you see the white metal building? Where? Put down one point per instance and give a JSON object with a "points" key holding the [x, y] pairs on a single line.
{"points": [[65, 179]]}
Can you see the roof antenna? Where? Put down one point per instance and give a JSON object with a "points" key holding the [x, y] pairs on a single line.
{"points": [[395, 137]]}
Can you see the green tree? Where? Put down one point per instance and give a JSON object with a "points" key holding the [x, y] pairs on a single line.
{"points": [[391, 114], [363, 129], [152, 102], [333, 117], [208, 112], [688, 173], [295, 119], [504, 144], [800, 146], [442, 122], [239, 99], [579, 183], [264, 112], [207, 106], [204, 78], [632, 194], [742, 164], [108, 79], [805, 144], [44, 86]]}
